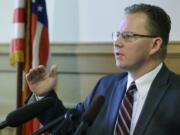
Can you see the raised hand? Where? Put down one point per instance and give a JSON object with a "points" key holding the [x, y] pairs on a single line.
{"points": [[41, 81]]}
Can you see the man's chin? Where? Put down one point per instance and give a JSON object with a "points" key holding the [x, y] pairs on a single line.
{"points": [[121, 66]]}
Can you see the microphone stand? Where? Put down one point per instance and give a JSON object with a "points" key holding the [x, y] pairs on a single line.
{"points": [[82, 128], [65, 120], [67, 125], [48, 126]]}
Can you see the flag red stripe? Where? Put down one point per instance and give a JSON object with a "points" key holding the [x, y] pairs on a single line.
{"points": [[44, 47], [18, 44], [19, 15], [34, 21]]}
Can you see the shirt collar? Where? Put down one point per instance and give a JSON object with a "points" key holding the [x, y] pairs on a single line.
{"points": [[145, 81]]}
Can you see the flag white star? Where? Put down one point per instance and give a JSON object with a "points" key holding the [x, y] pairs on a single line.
{"points": [[40, 8]]}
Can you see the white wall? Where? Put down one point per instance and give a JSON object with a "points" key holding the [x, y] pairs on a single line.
{"points": [[85, 20], [98, 18], [63, 20], [6, 8]]}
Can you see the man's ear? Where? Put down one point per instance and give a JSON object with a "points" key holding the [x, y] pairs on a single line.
{"points": [[156, 45]]}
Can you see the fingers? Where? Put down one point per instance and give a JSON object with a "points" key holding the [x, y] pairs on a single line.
{"points": [[36, 73], [53, 70]]}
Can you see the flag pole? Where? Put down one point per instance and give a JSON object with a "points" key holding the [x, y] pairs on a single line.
{"points": [[23, 66], [19, 51], [19, 77]]}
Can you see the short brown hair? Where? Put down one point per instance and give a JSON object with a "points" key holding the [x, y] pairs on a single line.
{"points": [[159, 22]]}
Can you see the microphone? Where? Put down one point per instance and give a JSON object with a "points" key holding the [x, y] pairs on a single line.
{"points": [[90, 115], [27, 112], [66, 119]]}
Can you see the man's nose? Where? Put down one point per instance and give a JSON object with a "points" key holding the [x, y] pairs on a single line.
{"points": [[119, 40], [118, 43]]}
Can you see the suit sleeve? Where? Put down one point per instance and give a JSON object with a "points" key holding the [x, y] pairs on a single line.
{"points": [[58, 109]]}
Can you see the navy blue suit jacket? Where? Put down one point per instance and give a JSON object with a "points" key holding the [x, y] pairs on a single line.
{"points": [[160, 114]]}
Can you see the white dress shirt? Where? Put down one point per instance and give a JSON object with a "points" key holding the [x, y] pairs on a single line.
{"points": [[143, 85]]}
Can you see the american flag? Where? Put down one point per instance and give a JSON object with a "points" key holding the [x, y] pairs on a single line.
{"points": [[39, 33], [17, 47], [30, 43]]}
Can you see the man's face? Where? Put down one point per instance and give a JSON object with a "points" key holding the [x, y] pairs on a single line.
{"points": [[132, 53]]}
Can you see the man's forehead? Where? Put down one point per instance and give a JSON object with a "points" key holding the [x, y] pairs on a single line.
{"points": [[122, 23], [133, 21]]}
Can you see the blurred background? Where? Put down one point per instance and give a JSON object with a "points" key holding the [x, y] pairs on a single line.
{"points": [[80, 43]]}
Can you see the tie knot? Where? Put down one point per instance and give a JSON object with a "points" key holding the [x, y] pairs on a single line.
{"points": [[132, 88]]}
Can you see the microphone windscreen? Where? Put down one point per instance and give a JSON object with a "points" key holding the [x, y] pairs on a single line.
{"points": [[90, 115], [28, 112]]}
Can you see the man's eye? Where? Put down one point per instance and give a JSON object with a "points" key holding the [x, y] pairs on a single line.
{"points": [[127, 36]]}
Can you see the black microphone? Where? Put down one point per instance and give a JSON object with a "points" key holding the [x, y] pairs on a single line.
{"points": [[65, 120], [90, 115], [27, 112]]}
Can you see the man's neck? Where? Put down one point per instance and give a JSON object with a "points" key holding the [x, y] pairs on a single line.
{"points": [[137, 73]]}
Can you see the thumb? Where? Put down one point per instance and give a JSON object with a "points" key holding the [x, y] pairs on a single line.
{"points": [[53, 70]]}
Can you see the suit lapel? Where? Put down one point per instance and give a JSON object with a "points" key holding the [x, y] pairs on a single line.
{"points": [[120, 90], [156, 93], [117, 97]]}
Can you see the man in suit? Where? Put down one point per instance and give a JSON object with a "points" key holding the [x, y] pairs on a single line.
{"points": [[140, 47]]}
